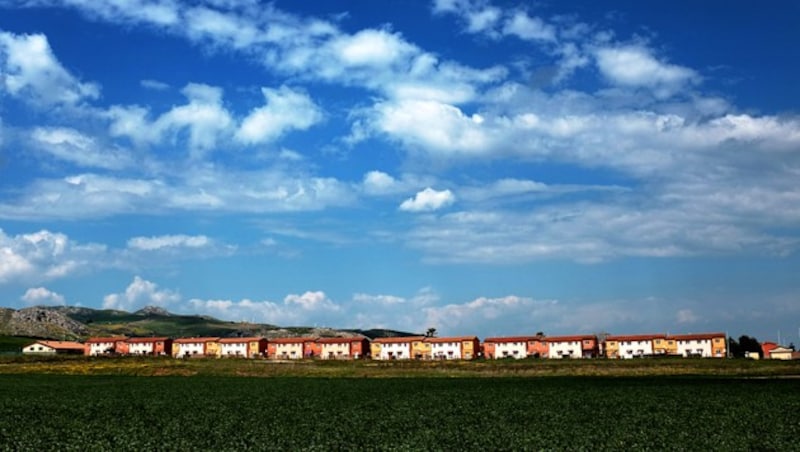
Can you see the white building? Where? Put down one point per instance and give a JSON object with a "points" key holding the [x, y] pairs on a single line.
{"points": [[507, 347], [693, 346], [396, 350], [233, 348], [104, 345], [633, 346], [446, 350], [335, 349], [289, 349], [564, 349]]}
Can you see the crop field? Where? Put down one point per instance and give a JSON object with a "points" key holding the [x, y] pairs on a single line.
{"points": [[67, 412]]}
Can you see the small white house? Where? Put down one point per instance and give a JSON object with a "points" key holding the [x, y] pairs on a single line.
{"points": [[53, 348], [289, 350]]}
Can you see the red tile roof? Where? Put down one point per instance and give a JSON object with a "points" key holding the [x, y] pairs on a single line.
{"points": [[507, 339], [98, 340], [62, 345], [239, 340], [574, 338], [194, 340], [144, 340], [698, 336], [439, 340], [398, 340], [292, 340], [339, 340], [636, 337]]}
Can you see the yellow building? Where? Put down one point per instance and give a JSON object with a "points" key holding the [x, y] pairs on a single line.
{"points": [[375, 349], [612, 349], [664, 346], [420, 349]]}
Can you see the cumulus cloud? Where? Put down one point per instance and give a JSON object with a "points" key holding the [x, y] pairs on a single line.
{"points": [[311, 301], [428, 200], [286, 110], [44, 255], [31, 72], [635, 66], [138, 294], [42, 296]]}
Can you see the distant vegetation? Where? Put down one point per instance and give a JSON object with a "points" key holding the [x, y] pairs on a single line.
{"points": [[148, 366], [221, 413]]}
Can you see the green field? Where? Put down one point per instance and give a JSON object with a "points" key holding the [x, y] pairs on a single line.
{"points": [[49, 412]]}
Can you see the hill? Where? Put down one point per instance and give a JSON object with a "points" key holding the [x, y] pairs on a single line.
{"points": [[70, 322]]}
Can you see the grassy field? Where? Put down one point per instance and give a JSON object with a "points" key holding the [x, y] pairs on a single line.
{"points": [[142, 366], [67, 412]]}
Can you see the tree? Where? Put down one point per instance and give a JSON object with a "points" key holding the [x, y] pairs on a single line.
{"points": [[748, 344], [431, 332]]}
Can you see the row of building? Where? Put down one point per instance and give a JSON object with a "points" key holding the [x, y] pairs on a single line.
{"points": [[706, 345]]}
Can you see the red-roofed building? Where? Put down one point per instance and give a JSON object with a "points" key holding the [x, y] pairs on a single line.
{"points": [[767, 347], [704, 345], [196, 347], [157, 346], [293, 348], [343, 347], [95, 346], [54, 348], [461, 347], [243, 347], [507, 347], [580, 346], [630, 346], [388, 348]]}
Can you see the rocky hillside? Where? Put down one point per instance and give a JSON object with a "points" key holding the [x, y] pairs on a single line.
{"points": [[40, 322], [70, 322]]}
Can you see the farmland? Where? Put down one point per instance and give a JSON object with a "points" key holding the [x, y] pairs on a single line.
{"points": [[67, 412]]}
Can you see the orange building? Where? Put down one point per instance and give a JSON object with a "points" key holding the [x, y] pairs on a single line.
{"points": [[293, 348]]}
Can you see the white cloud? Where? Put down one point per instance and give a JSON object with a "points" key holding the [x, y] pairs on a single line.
{"points": [[44, 255], [41, 296], [31, 72], [428, 200], [138, 294], [635, 66], [199, 189], [72, 146], [686, 316], [521, 25], [286, 110], [371, 47], [378, 182], [310, 301], [378, 299], [154, 85], [169, 241], [204, 117]]}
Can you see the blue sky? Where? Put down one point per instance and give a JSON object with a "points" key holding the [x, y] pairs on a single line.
{"points": [[481, 168]]}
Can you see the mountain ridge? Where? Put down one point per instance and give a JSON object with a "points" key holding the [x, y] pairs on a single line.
{"points": [[78, 323]]}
